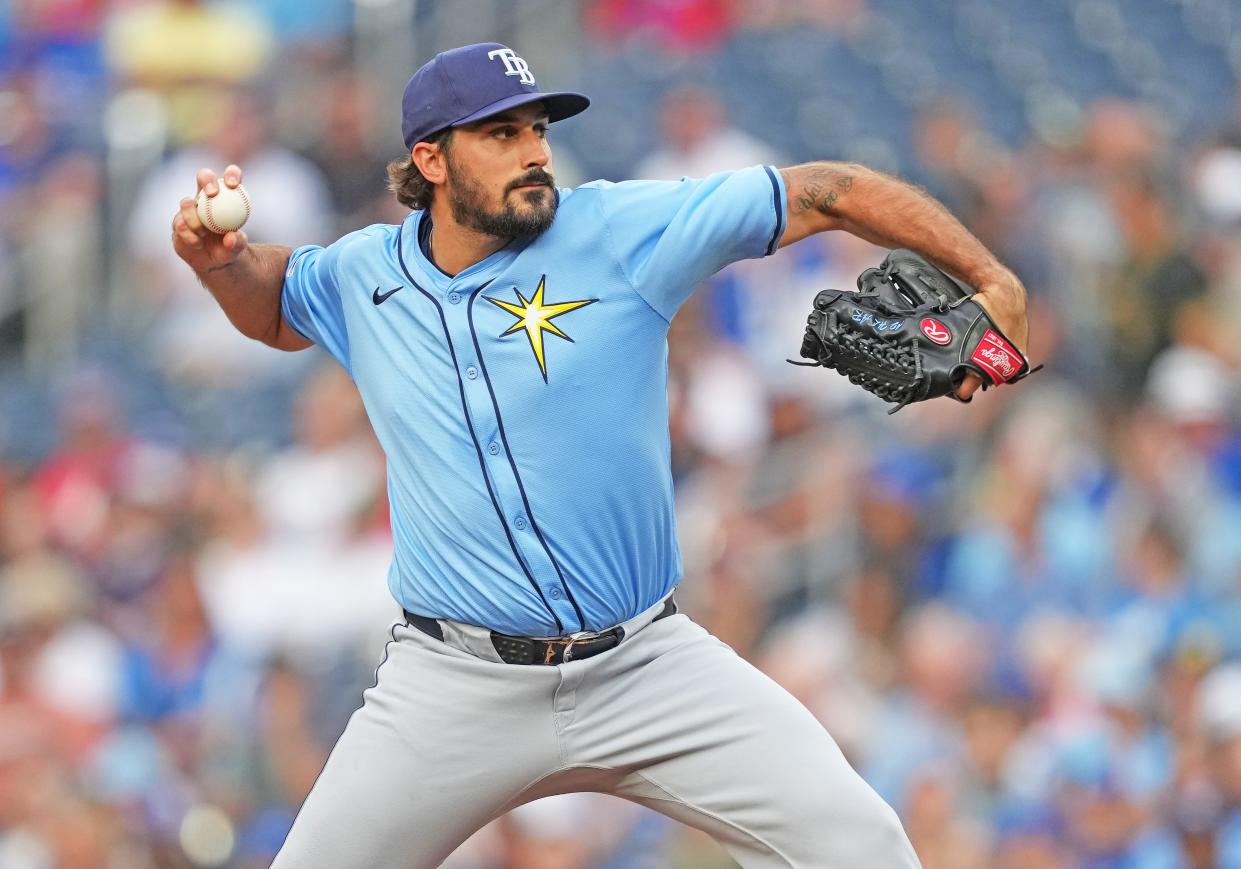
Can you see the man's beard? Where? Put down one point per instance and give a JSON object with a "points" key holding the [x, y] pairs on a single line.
{"points": [[467, 201]]}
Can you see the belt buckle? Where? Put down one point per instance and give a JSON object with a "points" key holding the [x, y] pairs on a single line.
{"points": [[579, 637], [614, 634]]}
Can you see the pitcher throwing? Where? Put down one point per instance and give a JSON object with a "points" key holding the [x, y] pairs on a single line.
{"points": [[509, 339]]}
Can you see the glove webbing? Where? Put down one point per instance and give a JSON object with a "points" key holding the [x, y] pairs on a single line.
{"points": [[883, 361]]}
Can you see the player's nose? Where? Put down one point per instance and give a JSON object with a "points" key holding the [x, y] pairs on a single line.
{"points": [[535, 152]]}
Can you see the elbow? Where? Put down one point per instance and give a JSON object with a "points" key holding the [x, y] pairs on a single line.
{"points": [[276, 335], [286, 338], [268, 333]]}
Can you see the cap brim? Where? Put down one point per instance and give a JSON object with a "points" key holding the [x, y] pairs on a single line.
{"points": [[559, 105]]}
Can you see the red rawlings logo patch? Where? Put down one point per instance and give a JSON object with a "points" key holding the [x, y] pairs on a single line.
{"points": [[997, 357], [935, 330]]}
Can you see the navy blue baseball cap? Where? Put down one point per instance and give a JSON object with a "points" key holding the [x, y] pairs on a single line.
{"points": [[471, 83]]}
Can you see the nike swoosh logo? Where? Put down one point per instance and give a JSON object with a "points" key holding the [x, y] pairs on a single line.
{"points": [[378, 297]]}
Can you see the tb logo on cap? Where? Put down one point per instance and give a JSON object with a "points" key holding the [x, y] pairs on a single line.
{"points": [[513, 65]]}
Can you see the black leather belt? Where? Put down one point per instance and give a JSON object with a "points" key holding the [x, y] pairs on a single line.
{"points": [[529, 650]]}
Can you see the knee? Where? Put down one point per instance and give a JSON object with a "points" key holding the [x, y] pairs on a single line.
{"points": [[865, 832], [888, 842]]}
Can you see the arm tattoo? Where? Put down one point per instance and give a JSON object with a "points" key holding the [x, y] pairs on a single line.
{"points": [[822, 186]]}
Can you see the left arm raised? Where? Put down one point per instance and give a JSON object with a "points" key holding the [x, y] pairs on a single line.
{"points": [[892, 213], [885, 211]]}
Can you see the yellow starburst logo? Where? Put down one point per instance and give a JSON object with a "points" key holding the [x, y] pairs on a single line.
{"points": [[536, 318]]}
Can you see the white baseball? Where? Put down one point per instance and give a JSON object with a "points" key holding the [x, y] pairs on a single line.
{"points": [[227, 210]]}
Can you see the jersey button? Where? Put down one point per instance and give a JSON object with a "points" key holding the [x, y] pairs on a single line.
{"points": [[471, 372], [554, 592], [520, 523], [453, 298], [494, 449]]}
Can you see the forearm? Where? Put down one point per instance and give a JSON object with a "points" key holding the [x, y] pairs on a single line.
{"points": [[889, 212], [892, 213], [248, 289]]}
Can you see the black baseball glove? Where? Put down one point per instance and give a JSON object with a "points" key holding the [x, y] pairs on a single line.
{"points": [[909, 333]]}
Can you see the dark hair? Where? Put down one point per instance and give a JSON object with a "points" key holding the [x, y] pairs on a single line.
{"points": [[406, 181]]}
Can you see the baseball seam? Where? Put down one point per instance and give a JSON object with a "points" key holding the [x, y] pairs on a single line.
{"points": [[210, 221]]}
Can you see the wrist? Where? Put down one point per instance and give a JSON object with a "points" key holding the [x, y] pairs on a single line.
{"points": [[994, 277], [1006, 302], [215, 266]]}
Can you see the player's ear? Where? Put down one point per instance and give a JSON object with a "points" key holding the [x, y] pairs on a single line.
{"points": [[431, 161]]}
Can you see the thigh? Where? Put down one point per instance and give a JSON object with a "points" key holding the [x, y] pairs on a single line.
{"points": [[712, 741], [440, 745]]}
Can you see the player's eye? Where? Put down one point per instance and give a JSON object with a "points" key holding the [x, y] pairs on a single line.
{"points": [[540, 130], [506, 132]]}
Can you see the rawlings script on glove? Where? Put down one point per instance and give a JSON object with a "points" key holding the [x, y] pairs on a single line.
{"points": [[910, 333]]}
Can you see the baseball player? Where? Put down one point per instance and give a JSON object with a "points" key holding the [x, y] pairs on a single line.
{"points": [[509, 341]]}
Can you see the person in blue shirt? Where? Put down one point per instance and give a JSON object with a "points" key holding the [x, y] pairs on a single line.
{"points": [[509, 340]]}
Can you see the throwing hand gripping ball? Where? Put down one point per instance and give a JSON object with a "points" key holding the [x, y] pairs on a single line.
{"points": [[228, 210]]}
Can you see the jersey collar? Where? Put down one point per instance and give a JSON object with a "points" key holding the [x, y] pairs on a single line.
{"points": [[417, 249]]}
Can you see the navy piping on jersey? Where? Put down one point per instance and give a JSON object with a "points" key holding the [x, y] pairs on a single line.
{"points": [[779, 205], [423, 235], [424, 241], [581, 619], [482, 465]]}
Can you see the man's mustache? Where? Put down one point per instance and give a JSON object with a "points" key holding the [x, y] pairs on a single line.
{"points": [[534, 176]]}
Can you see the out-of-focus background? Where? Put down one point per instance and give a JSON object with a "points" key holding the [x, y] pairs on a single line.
{"points": [[1020, 619]]}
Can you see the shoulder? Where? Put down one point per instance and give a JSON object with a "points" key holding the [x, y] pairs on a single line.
{"points": [[607, 188], [618, 197], [638, 190], [375, 237], [372, 241], [643, 200]]}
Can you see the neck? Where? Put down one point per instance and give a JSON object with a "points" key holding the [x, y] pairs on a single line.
{"points": [[454, 248]]}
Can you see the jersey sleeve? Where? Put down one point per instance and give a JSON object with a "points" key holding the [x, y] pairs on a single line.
{"points": [[310, 301], [669, 236]]}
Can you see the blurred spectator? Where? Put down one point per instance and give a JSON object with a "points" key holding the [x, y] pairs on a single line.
{"points": [[828, 15], [1124, 139], [303, 537], [308, 26], [185, 49], [677, 25], [950, 149], [28, 140], [316, 490], [1219, 715], [941, 665], [165, 667], [697, 139], [346, 150], [1154, 284], [77, 482], [61, 247], [1037, 539]]}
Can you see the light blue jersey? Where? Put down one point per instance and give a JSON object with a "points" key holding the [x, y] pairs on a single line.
{"points": [[523, 403]]}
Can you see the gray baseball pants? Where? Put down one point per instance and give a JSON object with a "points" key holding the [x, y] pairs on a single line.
{"points": [[671, 718]]}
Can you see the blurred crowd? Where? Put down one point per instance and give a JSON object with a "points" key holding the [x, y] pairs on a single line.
{"points": [[1020, 619]]}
